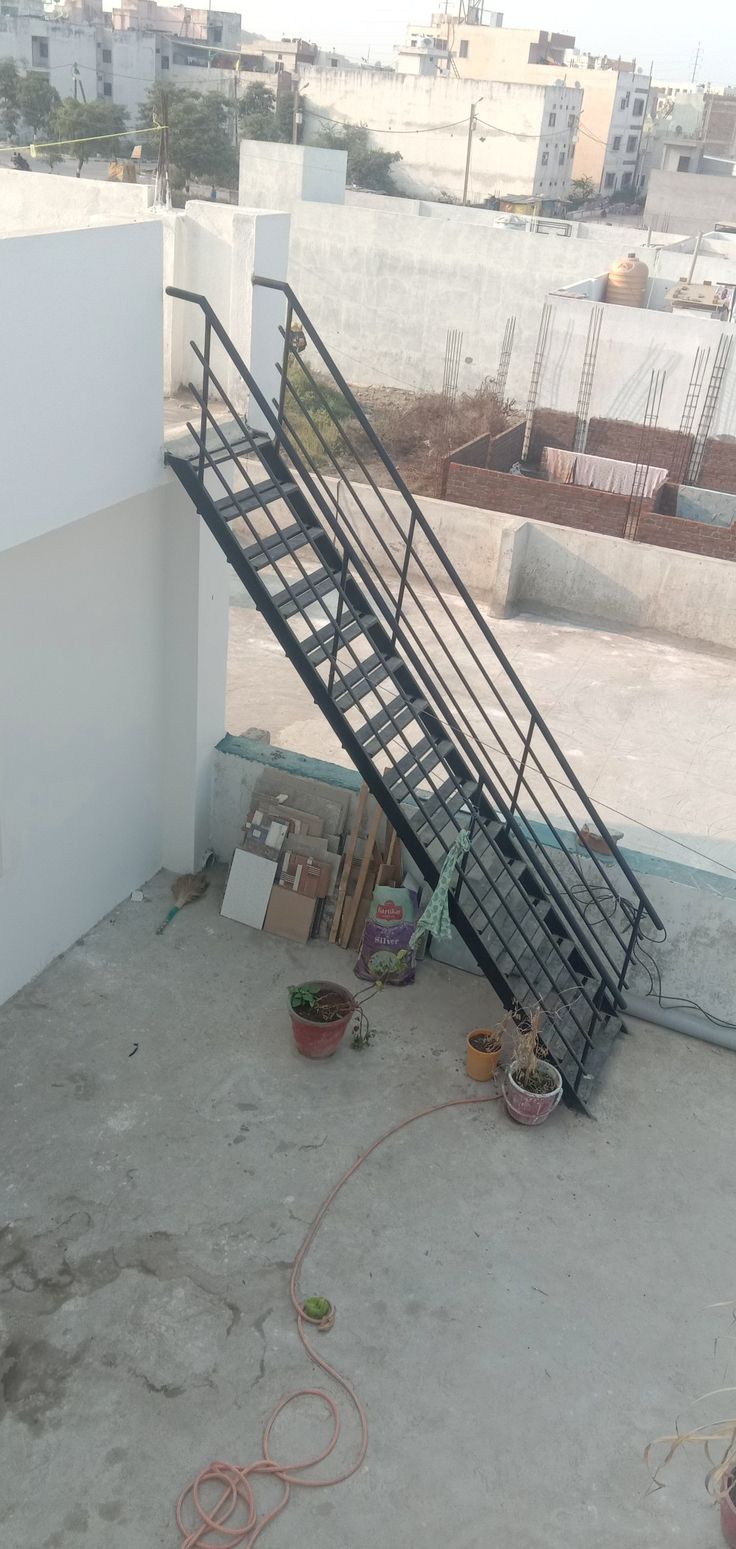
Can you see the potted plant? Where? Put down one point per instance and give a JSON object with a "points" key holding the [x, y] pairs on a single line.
{"points": [[532, 1086], [320, 1012], [483, 1052]]}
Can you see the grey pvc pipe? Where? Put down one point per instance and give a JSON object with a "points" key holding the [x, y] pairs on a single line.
{"points": [[646, 1009]]}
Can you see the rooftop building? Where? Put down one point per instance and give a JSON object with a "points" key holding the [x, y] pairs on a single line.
{"points": [[253, 606]]}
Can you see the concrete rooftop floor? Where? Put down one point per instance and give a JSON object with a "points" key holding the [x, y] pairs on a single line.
{"points": [[647, 723], [519, 1310]]}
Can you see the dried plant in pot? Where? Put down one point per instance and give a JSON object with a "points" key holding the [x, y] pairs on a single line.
{"points": [[532, 1086], [718, 1440]]}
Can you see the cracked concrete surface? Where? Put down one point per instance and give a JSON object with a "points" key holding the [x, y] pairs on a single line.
{"points": [[520, 1311]]}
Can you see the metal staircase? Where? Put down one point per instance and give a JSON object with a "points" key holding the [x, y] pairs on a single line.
{"points": [[398, 655]]}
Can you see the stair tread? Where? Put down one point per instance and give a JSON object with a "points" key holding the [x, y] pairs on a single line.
{"points": [[279, 545], [318, 646], [243, 501], [304, 591], [364, 678]]}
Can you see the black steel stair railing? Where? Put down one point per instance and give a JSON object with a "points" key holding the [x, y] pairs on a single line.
{"points": [[513, 922], [417, 520], [535, 907]]}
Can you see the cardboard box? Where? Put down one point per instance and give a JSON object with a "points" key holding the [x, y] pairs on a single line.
{"points": [[297, 820], [290, 914], [300, 873]]}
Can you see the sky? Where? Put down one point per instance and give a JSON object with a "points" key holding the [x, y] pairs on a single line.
{"points": [[666, 31]]}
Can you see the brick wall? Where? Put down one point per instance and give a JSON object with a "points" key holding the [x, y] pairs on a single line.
{"points": [[505, 449], [676, 532], [719, 464], [550, 427], [567, 505]]}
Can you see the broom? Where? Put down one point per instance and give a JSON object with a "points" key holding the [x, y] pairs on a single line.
{"points": [[186, 890]]}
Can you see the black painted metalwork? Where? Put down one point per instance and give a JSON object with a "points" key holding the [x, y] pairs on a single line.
{"points": [[400, 658]]}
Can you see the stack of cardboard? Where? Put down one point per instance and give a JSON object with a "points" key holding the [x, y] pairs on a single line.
{"points": [[287, 864]]}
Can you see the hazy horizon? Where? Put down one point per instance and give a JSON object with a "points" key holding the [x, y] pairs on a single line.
{"points": [[668, 35]]}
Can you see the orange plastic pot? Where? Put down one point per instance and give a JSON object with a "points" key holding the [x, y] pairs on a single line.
{"points": [[479, 1063]]}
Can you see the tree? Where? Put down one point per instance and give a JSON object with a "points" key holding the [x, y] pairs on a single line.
{"points": [[9, 110], [368, 168], [199, 124], [581, 190], [38, 101], [264, 115], [85, 121]]}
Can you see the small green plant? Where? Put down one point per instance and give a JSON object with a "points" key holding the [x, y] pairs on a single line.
{"points": [[301, 998]]}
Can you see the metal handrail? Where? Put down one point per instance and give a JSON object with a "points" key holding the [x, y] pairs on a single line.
{"points": [[213, 324], [428, 533]]}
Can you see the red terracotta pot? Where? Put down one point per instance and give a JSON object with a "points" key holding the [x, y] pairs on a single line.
{"points": [[728, 1514], [530, 1107], [317, 1040]]}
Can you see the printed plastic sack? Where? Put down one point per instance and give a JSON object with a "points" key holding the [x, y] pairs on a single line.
{"points": [[385, 955]]}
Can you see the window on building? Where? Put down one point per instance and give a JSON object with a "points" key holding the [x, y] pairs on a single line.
{"points": [[609, 180], [632, 142], [562, 158], [639, 105], [552, 120], [571, 120], [164, 61], [464, 46], [545, 158], [333, 64], [107, 89], [107, 56], [624, 103], [215, 34], [683, 163], [626, 180], [39, 51], [617, 142]]}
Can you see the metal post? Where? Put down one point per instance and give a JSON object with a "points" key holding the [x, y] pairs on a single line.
{"points": [[522, 766], [404, 574], [696, 251], [205, 396], [284, 369], [471, 126]]}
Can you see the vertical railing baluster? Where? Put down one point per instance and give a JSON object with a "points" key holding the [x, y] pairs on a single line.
{"points": [[284, 371], [404, 574], [522, 766], [338, 621], [205, 395]]}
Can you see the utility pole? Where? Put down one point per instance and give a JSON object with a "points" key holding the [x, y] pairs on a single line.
{"points": [[298, 113], [471, 127]]}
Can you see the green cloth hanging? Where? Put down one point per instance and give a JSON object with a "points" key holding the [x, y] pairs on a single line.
{"points": [[436, 916]]}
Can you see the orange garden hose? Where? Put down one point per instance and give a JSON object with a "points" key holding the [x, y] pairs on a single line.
{"points": [[231, 1519]]}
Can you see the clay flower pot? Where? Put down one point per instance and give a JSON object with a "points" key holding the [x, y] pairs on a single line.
{"points": [[481, 1063], [531, 1107], [728, 1513], [319, 1029]]}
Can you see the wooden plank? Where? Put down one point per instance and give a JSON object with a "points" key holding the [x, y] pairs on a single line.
{"points": [[348, 861], [351, 907]]}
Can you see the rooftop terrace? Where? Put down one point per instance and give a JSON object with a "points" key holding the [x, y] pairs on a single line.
{"points": [[515, 1345]]}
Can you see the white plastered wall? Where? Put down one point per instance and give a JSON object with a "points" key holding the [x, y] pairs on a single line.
{"points": [[113, 595]]}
